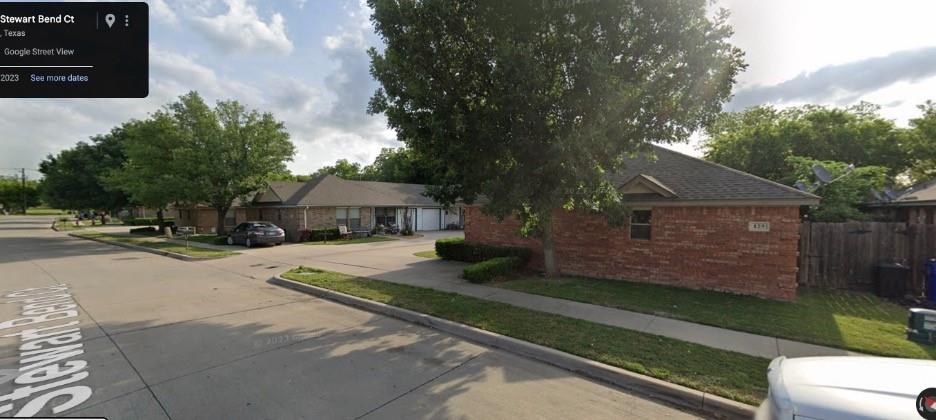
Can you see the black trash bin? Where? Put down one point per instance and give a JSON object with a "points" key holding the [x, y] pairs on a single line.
{"points": [[891, 280]]}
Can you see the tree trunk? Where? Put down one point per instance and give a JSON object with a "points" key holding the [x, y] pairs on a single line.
{"points": [[103, 220], [221, 212], [549, 250], [160, 219]]}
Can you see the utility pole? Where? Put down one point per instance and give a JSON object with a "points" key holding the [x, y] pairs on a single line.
{"points": [[23, 177]]}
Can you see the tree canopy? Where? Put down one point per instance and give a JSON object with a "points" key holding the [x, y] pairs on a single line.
{"points": [[213, 156], [149, 175], [401, 164], [760, 140], [841, 198], [531, 103], [921, 145], [342, 168], [12, 194], [74, 178]]}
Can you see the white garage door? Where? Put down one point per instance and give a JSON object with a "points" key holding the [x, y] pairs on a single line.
{"points": [[429, 219]]}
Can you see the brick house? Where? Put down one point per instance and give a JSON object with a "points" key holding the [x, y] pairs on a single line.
{"points": [[327, 201], [694, 224]]}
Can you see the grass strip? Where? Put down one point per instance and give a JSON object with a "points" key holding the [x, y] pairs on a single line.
{"points": [[849, 320], [427, 254], [158, 244], [732, 375], [368, 239]]}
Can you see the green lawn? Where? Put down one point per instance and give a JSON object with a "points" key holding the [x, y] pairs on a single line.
{"points": [[44, 211], [849, 320], [427, 254], [205, 239], [70, 224], [352, 241], [732, 375], [159, 244]]}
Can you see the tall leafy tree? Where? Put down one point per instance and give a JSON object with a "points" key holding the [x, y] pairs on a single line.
{"points": [[74, 178], [149, 175], [226, 152], [530, 104]]}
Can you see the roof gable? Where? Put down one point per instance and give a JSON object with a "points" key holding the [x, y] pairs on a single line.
{"points": [[690, 179], [646, 184]]}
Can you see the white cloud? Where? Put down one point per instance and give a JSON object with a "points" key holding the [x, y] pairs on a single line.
{"points": [[161, 11], [241, 29]]}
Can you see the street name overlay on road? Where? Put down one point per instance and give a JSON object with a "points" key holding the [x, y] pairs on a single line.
{"points": [[48, 368]]}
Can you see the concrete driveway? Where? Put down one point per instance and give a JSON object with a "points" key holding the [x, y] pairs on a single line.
{"points": [[161, 338]]}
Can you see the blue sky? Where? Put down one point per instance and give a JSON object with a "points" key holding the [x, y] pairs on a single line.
{"points": [[305, 61]]}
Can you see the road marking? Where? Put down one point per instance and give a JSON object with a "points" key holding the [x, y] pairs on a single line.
{"points": [[47, 353]]}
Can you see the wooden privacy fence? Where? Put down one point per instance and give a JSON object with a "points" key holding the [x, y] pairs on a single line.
{"points": [[844, 255]]}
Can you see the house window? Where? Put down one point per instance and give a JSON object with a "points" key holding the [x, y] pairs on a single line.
{"points": [[348, 216], [640, 224], [229, 218], [385, 216]]}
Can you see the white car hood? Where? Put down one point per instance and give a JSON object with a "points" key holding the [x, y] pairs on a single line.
{"points": [[850, 387]]}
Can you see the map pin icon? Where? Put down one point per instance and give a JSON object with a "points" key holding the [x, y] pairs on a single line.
{"points": [[110, 20]]}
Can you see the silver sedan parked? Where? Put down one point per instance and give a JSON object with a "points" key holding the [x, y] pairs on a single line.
{"points": [[253, 233]]}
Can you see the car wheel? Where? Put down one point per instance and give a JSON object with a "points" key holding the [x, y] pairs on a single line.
{"points": [[247, 243], [230, 240], [279, 243]]}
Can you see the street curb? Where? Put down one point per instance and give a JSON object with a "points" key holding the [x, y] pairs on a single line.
{"points": [[675, 394], [143, 249]]}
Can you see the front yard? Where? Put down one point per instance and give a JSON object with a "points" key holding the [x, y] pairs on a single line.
{"points": [[159, 244], [855, 321], [732, 375]]}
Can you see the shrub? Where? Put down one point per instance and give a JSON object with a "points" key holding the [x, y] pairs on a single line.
{"points": [[486, 271], [457, 249], [143, 230], [316, 235], [146, 221]]}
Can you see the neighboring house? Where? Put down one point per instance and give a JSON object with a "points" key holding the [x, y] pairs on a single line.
{"points": [[917, 205], [328, 201], [694, 224]]}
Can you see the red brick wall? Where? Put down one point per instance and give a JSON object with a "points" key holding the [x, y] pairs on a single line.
{"points": [[694, 247]]}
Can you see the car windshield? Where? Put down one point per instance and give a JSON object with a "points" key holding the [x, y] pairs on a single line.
{"points": [[263, 226]]}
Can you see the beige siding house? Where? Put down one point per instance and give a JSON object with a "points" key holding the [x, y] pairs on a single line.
{"points": [[327, 201]]}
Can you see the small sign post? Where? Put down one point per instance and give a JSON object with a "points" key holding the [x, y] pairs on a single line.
{"points": [[186, 231]]}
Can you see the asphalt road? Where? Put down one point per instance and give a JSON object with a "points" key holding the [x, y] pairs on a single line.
{"points": [[94, 330]]}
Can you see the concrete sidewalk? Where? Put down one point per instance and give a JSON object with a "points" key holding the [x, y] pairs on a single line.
{"points": [[443, 276]]}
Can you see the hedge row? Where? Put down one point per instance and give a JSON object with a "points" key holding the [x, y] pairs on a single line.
{"points": [[148, 229], [316, 235], [147, 221], [458, 250], [486, 271]]}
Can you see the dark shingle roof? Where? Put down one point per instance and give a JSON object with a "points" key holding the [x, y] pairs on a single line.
{"points": [[331, 191], [693, 179]]}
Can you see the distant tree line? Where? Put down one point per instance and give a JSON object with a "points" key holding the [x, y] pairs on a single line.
{"points": [[12, 194], [783, 145], [391, 165]]}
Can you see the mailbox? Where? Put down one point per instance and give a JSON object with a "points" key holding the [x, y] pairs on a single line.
{"points": [[921, 326]]}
